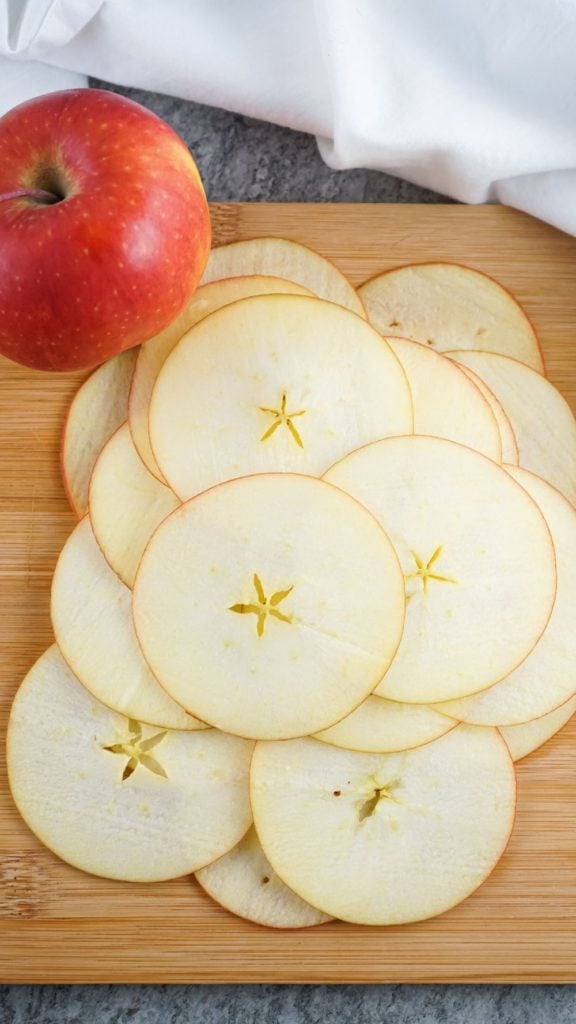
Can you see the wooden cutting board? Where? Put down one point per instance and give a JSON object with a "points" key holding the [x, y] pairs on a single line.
{"points": [[59, 925]]}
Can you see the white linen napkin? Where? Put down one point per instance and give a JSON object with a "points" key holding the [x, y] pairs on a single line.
{"points": [[474, 100]]}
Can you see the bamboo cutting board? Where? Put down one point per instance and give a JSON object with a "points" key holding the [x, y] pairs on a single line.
{"points": [[59, 925]]}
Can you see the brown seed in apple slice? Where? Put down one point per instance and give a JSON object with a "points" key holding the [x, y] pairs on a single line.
{"points": [[290, 260], [523, 739], [269, 606], [113, 796], [541, 418], [127, 503], [447, 404], [243, 882], [383, 726], [92, 619], [273, 383], [473, 545], [547, 678], [507, 437], [98, 408], [384, 839], [153, 353], [449, 306]]}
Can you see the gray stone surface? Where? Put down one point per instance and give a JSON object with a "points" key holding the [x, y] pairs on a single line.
{"points": [[294, 1004], [246, 160], [243, 159]]}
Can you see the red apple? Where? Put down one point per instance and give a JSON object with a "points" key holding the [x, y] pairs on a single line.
{"points": [[104, 228]]}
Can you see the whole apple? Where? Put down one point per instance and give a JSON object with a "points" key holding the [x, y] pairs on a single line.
{"points": [[104, 228]]}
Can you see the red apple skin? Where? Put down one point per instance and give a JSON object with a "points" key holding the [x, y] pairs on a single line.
{"points": [[115, 260]]}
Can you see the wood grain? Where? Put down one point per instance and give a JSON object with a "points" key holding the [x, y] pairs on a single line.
{"points": [[59, 925]]}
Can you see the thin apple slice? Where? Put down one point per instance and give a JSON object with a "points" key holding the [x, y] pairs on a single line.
{"points": [[98, 408], [448, 306], [243, 882], [472, 545], [547, 678], [276, 382], [507, 436], [290, 260], [447, 404], [269, 606], [384, 839], [382, 726], [92, 620], [126, 503], [117, 798], [523, 739], [153, 353], [541, 418]]}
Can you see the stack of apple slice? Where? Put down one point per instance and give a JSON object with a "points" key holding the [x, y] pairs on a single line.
{"points": [[319, 598]]}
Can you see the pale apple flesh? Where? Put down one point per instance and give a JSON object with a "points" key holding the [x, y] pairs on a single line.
{"points": [[384, 839], [127, 504], [98, 408], [527, 737], [273, 383], [449, 306], [115, 249], [261, 620], [467, 562], [113, 796], [447, 404], [243, 882], [92, 620], [382, 726], [547, 678], [507, 436], [543, 423], [154, 352], [285, 258]]}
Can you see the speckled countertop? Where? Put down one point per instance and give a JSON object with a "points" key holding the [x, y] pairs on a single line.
{"points": [[243, 159], [291, 1004]]}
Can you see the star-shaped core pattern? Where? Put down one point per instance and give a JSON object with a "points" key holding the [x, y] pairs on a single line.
{"points": [[425, 572], [282, 418], [137, 750], [264, 607]]}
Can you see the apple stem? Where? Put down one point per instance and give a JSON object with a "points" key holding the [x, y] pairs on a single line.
{"points": [[38, 194]]}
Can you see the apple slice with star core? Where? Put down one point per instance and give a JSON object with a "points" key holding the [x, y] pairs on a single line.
{"points": [[117, 798], [92, 621], [98, 408], [523, 739], [273, 383], [384, 727], [446, 404], [473, 546], [543, 423], [282, 257], [448, 306], [547, 678], [127, 503], [384, 839], [243, 882], [269, 606], [153, 353]]}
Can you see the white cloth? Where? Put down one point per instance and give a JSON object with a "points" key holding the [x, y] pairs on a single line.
{"points": [[476, 100]]}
